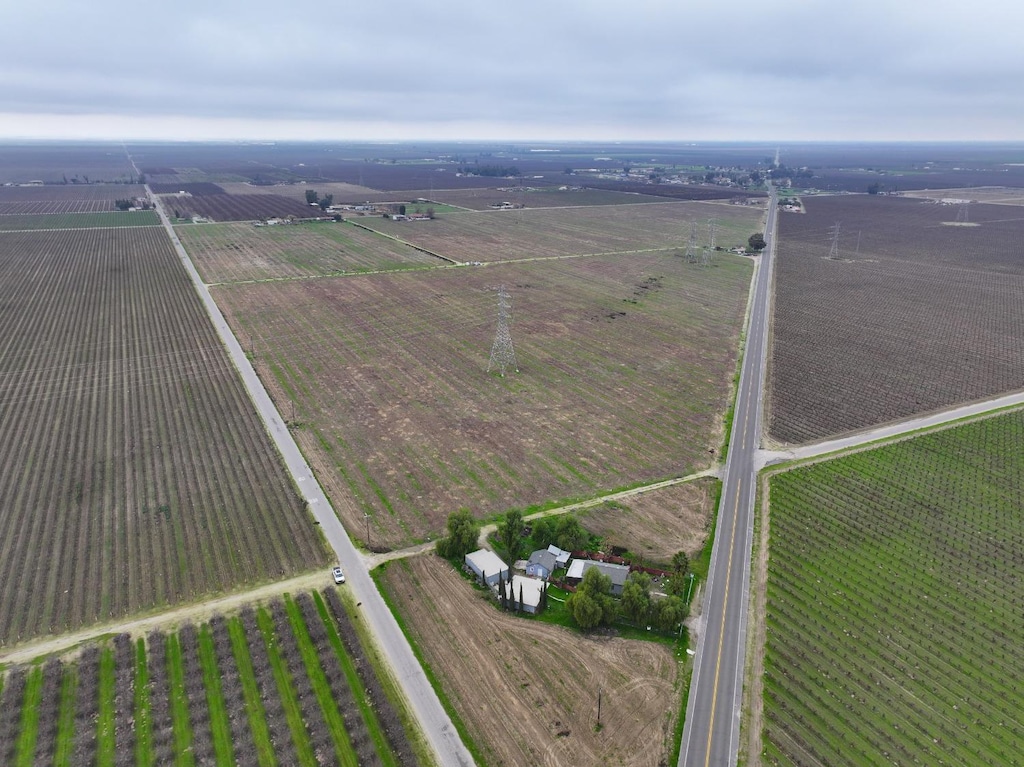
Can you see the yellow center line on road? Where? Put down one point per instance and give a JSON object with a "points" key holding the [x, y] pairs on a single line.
{"points": [[721, 636]]}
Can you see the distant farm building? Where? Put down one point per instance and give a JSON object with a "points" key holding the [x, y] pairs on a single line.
{"points": [[617, 573], [486, 566], [528, 590]]}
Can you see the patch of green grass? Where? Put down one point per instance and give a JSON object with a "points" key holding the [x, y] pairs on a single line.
{"points": [[143, 716], [78, 220], [66, 722], [179, 704], [253, 702], [290, 704], [220, 726], [321, 687], [29, 718], [106, 740]]}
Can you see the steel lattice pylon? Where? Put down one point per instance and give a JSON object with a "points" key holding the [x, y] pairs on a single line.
{"points": [[503, 356]]}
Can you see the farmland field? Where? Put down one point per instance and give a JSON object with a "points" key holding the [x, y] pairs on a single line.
{"points": [[237, 207], [134, 471], [895, 619], [625, 367], [918, 317], [515, 234], [286, 683], [241, 251], [527, 691], [655, 525], [547, 197], [995, 195], [72, 198], [16, 222]]}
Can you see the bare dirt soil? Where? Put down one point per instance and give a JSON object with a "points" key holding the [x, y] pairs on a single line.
{"points": [[527, 690], [656, 525]]}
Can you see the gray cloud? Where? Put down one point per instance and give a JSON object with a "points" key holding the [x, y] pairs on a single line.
{"points": [[925, 69]]}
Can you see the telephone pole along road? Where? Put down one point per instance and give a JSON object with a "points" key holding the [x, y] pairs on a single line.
{"points": [[711, 732], [425, 705]]}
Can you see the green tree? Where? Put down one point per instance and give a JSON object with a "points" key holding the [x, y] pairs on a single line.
{"points": [[311, 196], [677, 584], [585, 610], [681, 562], [592, 602], [463, 532], [757, 242], [543, 532], [668, 613], [636, 598], [570, 535], [326, 201], [510, 534]]}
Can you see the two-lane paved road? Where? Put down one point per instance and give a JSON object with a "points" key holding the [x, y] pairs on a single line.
{"points": [[426, 706], [711, 733]]}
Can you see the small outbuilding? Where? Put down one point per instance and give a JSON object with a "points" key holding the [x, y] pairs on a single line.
{"points": [[617, 573], [487, 566], [526, 589]]}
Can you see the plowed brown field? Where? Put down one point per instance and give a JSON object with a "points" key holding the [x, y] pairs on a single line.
{"points": [[526, 690]]}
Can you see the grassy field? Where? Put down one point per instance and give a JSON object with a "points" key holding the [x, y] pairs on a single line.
{"points": [[287, 683], [526, 691], [625, 366], [134, 470], [896, 604], [241, 251], [18, 222], [538, 233]]}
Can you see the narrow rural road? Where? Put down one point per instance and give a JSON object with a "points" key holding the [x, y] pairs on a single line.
{"points": [[425, 705], [891, 430], [711, 732]]}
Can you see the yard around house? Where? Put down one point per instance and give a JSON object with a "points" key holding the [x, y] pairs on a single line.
{"points": [[526, 690]]}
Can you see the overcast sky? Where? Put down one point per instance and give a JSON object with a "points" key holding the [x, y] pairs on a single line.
{"points": [[529, 69]]}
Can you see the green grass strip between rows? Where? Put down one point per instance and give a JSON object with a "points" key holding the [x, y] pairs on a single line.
{"points": [[253, 703], [220, 727]]}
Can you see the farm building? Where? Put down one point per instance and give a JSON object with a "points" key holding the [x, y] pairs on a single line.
{"points": [[542, 563], [527, 588], [487, 566], [618, 573], [561, 556]]}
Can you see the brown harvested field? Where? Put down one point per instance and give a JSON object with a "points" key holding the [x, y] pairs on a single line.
{"points": [[655, 525], [134, 470], [513, 234], [342, 192], [994, 195], [921, 317], [526, 690], [237, 207], [533, 197], [71, 198], [625, 365], [241, 251]]}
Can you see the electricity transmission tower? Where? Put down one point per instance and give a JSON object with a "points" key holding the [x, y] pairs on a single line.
{"points": [[833, 252], [709, 249], [503, 356], [961, 215], [691, 246]]}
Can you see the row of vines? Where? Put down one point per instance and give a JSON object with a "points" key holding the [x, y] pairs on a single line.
{"points": [[285, 684], [896, 604], [134, 470]]}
